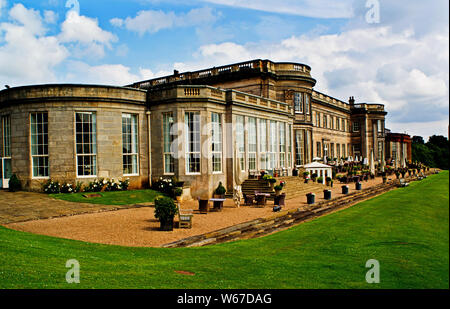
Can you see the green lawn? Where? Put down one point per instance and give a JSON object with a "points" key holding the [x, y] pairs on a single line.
{"points": [[406, 230], [111, 198]]}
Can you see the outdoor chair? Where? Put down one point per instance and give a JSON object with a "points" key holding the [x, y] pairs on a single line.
{"points": [[184, 217], [261, 200], [403, 183]]}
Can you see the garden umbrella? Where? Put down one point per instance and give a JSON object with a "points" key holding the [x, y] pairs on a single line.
{"points": [[365, 161], [382, 164], [371, 163]]}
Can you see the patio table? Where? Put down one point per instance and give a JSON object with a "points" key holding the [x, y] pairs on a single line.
{"points": [[218, 203], [261, 198]]}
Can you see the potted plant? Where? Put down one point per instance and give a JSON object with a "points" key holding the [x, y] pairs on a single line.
{"points": [[278, 189], [177, 192], [314, 176], [272, 182], [220, 191], [320, 179], [397, 174], [328, 181], [165, 211], [403, 172], [305, 175], [14, 183], [295, 172]]}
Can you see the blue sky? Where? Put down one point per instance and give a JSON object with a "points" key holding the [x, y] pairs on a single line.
{"points": [[400, 60]]}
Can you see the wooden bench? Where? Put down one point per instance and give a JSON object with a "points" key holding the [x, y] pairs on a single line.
{"points": [[184, 217]]}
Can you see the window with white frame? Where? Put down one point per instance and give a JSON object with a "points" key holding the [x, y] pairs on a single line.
{"points": [[282, 130], [300, 147], [355, 126], [338, 151], [380, 150], [325, 121], [130, 144], [307, 105], [273, 145], [216, 142], [251, 143], [168, 138], [240, 141], [318, 149], [343, 151], [263, 143], [193, 151], [298, 102], [39, 144], [308, 146], [86, 143], [6, 129], [289, 146]]}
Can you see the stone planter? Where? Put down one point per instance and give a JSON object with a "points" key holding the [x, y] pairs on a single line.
{"points": [[203, 206], [166, 225], [358, 186], [311, 198], [344, 189], [327, 194], [279, 199]]}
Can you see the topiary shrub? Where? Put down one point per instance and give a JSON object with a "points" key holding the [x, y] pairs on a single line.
{"points": [[220, 190], [14, 183], [165, 211]]}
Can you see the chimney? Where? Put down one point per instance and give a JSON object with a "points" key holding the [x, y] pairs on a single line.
{"points": [[176, 72], [351, 100]]}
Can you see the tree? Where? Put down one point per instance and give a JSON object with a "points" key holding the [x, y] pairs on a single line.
{"points": [[434, 153]]}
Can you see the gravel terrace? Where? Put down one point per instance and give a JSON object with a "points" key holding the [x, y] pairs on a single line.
{"points": [[138, 227]]}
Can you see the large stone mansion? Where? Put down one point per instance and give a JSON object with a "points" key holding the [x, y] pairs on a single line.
{"points": [[204, 127]]}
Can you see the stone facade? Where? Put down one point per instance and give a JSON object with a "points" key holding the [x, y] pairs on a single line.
{"points": [[286, 124]]}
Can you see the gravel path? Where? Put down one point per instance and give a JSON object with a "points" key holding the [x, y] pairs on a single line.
{"points": [[138, 227]]}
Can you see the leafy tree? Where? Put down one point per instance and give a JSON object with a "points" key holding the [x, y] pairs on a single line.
{"points": [[434, 153]]}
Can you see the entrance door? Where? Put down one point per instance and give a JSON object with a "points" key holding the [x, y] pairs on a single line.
{"points": [[6, 172]]}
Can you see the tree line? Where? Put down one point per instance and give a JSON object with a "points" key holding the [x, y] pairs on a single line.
{"points": [[433, 153]]}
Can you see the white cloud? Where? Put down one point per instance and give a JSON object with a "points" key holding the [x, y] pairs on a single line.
{"points": [[85, 32], [108, 74], [152, 21], [50, 17], [2, 5], [29, 18], [308, 8]]}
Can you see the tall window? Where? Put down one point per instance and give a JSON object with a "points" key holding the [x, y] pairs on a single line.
{"points": [[298, 102], [343, 151], [394, 150], [317, 120], [168, 136], [300, 147], [6, 138], [307, 105], [318, 148], [380, 150], [6, 129], [86, 143], [342, 124], [252, 143], [192, 123], [282, 131], [338, 124], [130, 144], [338, 151], [355, 126], [289, 146], [240, 141], [332, 150], [216, 122], [380, 126], [39, 144], [325, 121], [273, 144], [263, 143], [308, 145]]}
